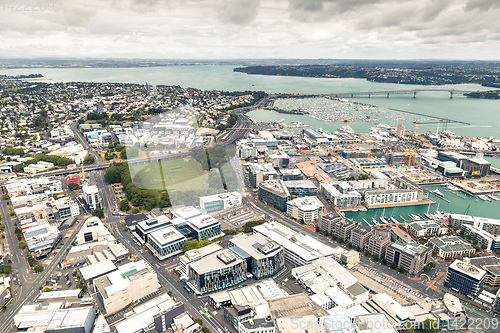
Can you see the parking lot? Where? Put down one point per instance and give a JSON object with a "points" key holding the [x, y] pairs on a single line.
{"points": [[380, 284], [59, 279], [237, 217]]}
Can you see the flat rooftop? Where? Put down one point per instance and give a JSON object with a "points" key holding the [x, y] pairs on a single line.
{"points": [[295, 306]]}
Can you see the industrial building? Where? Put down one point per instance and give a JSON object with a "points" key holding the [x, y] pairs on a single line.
{"points": [[299, 249]]}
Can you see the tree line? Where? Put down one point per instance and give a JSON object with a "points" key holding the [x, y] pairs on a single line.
{"points": [[120, 173]]}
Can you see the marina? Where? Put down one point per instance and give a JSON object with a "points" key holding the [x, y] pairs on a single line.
{"points": [[462, 203]]}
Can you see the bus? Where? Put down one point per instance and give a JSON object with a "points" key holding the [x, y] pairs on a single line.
{"points": [[187, 289]]}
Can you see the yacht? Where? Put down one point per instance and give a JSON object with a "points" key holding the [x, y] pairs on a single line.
{"points": [[438, 193]]}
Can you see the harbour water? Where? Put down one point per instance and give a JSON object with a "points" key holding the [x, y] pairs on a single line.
{"points": [[458, 205], [481, 113]]}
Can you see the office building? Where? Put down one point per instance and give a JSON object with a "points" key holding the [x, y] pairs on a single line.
{"points": [[341, 194], [277, 158], [343, 229], [491, 265], [246, 149], [360, 236], [219, 270], [450, 247], [307, 209], [264, 257], [301, 188], [484, 238], [144, 228], [465, 278], [258, 173], [378, 243], [216, 202], [274, 193], [400, 131], [127, 284], [411, 257], [194, 255], [328, 221], [291, 174], [401, 236], [165, 242], [94, 230], [91, 196]]}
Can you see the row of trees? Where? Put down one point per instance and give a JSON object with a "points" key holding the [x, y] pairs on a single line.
{"points": [[120, 173]]}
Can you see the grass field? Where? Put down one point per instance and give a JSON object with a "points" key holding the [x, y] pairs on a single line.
{"points": [[172, 174]]}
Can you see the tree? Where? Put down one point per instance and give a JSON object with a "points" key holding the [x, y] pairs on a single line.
{"points": [[47, 290], [38, 268], [135, 210], [2, 227], [363, 176], [5, 196], [431, 264], [12, 213], [190, 245], [401, 269], [124, 205], [376, 258], [290, 276], [98, 212], [205, 330], [431, 326], [74, 186], [22, 245], [384, 261], [394, 265], [89, 160], [483, 247], [5, 268], [199, 321], [169, 293]]}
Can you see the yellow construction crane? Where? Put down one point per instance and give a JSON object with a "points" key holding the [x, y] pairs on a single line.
{"points": [[411, 152], [83, 172]]}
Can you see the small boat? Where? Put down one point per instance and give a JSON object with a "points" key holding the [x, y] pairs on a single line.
{"points": [[363, 209], [355, 210], [383, 220], [438, 193], [393, 220], [483, 197], [493, 197], [374, 221], [429, 216]]}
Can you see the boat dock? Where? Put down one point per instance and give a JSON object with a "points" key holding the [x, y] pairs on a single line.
{"points": [[455, 192]]}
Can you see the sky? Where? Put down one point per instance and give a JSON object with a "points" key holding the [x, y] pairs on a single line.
{"points": [[246, 29]]}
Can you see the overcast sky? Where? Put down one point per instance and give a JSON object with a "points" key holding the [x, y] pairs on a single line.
{"points": [[222, 29]]}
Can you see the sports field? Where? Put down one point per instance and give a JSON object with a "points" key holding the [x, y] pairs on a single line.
{"points": [[171, 174]]}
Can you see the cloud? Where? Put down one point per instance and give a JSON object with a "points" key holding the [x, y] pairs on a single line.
{"points": [[256, 28], [240, 12]]}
